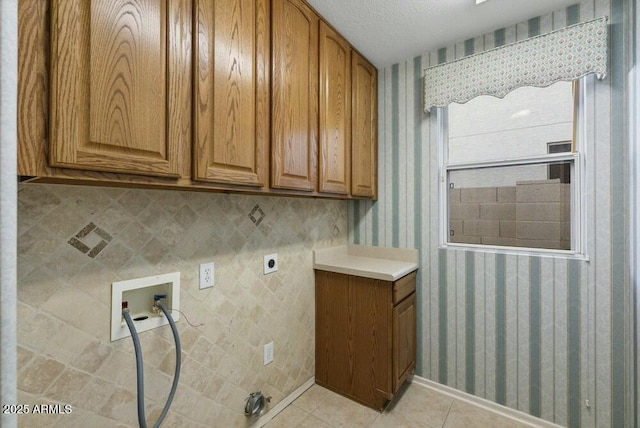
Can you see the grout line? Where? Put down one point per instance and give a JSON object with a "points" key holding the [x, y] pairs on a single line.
{"points": [[306, 417], [444, 422], [267, 417]]}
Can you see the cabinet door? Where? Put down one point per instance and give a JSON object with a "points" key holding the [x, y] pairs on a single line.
{"points": [[354, 337], [114, 106], [404, 340], [335, 112], [372, 338], [364, 141], [231, 109], [294, 96], [334, 338]]}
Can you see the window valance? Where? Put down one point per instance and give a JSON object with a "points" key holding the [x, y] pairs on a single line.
{"points": [[565, 54]]}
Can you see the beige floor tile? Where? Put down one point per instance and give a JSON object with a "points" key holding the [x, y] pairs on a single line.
{"points": [[469, 416], [338, 412], [291, 416], [415, 406], [313, 422], [312, 397], [400, 421]]}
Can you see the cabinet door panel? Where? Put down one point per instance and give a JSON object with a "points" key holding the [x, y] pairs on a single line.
{"points": [[231, 111], [371, 329], [404, 340], [334, 338], [110, 87], [364, 140], [335, 112], [295, 96]]}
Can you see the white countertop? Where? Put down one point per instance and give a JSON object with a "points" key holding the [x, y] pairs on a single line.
{"points": [[387, 264]]}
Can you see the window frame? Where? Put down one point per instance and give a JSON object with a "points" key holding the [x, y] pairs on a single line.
{"points": [[577, 157]]}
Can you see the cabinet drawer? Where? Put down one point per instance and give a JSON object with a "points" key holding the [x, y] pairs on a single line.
{"points": [[404, 287]]}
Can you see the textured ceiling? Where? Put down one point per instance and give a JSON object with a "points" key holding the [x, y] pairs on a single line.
{"points": [[390, 31]]}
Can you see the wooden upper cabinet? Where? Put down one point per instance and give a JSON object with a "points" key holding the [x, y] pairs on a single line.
{"points": [[364, 126], [335, 112], [294, 96], [113, 104], [231, 94]]}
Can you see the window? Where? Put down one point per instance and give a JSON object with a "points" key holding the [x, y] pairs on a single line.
{"points": [[511, 170]]}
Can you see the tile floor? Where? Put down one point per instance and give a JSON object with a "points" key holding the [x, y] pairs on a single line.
{"points": [[414, 407]]}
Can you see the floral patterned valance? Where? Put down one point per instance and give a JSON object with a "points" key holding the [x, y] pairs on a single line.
{"points": [[565, 54]]}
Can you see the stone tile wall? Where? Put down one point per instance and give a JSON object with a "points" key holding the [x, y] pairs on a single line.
{"points": [[75, 241], [533, 214]]}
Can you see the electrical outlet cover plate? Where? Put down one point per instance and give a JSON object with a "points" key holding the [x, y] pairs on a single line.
{"points": [[268, 353], [207, 275], [138, 293], [270, 263]]}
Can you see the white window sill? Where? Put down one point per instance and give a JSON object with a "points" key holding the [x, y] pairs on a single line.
{"points": [[517, 251]]}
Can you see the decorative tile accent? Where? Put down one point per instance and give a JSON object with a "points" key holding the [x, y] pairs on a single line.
{"points": [[95, 239], [257, 219]]}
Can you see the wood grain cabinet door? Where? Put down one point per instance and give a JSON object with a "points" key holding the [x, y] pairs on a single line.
{"points": [[354, 337], [335, 112], [364, 126], [231, 108], [294, 125], [334, 338], [404, 340], [118, 70]]}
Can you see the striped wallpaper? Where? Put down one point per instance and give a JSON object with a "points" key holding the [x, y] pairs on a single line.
{"points": [[539, 334]]}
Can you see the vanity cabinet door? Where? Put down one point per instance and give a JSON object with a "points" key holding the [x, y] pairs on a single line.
{"points": [[294, 143], [118, 70], [404, 340], [365, 346], [334, 340], [231, 90]]}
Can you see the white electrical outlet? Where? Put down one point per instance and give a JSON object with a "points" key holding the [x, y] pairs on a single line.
{"points": [[268, 353], [270, 263], [207, 275]]}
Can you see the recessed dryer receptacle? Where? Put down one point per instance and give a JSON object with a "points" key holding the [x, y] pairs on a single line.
{"points": [[270, 263], [139, 297]]}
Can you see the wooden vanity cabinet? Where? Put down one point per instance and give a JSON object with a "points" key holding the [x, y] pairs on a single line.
{"points": [[365, 335]]}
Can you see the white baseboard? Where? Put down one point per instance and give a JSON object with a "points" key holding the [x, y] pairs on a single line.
{"points": [[264, 419], [507, 412]]}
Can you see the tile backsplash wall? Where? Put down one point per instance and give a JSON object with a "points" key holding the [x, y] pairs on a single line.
{"points": [[75, 241]]}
